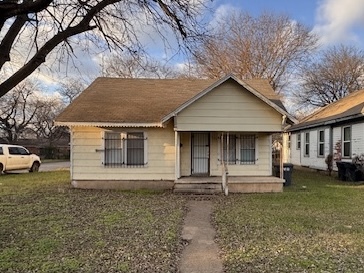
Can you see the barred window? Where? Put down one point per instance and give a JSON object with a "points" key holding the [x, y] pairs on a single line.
{"points": [[125, 149], [239, 149], [247, 149], [229, 149]]}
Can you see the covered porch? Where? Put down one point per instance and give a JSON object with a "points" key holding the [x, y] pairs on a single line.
{"points": [[205, 160]]}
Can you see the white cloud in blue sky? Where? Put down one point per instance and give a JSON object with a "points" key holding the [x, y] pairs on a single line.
{"points": [[340, 21]]}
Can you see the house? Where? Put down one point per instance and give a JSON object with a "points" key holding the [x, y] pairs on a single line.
{"points": [[175, 133], [337, 129]]}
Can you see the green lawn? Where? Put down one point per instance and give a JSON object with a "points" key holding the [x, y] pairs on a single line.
{"points": [[45, 226], [316, 225]]}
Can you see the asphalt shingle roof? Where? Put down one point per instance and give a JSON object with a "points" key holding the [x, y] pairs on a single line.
{"points": [[351, 106], [119, 100]]}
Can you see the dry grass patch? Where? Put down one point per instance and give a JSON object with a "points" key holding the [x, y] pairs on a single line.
{"points": [[315, 225], [46, 226]]}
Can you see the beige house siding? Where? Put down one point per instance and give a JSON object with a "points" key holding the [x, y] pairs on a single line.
{"points": [[229, 108], [186, 154], [88, 156]]}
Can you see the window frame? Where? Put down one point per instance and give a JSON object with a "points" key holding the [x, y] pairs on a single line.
{"points": [[232, 139], [248, 137], [346, 142], [298, 141], [320, 143], [122, 160], [238, 149], [307, 144]]}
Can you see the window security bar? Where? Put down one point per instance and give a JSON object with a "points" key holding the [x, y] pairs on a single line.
{"points": [[125, 150]]}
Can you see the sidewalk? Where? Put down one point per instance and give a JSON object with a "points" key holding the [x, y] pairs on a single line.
{"points": [[201, 255]]}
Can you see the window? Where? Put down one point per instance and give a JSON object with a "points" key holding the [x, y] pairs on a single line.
{"points": [[1, 151], [240, 149], [18, 151], [346, 141], [299, 141], [247, 149], [125, 149], [229, 154], [321, 143], [307, 144]]}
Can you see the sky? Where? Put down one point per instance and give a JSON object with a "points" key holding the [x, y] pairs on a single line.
{"points": [[334, 21]]}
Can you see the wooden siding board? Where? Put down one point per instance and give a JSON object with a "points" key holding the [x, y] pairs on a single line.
{"points": [[229, 107], [295, 154], [229, 128], [357, 138]]}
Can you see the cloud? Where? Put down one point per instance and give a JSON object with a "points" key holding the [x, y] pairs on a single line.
{"points": [[220, 13], [336, 20]]}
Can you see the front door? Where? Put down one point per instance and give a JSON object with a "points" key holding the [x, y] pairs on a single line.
{"points": [[200, 153]]}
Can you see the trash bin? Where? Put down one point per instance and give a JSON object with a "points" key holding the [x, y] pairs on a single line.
{"points": [[353, 174], [341, 170], [349, 171], [287, 172]]}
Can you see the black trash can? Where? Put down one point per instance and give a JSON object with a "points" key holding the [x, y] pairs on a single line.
{"points": [[348, 171], [287, 172], [341, 170]]}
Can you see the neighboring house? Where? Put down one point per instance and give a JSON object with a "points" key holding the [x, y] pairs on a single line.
{"points": [[152, 133], [336, 129]]}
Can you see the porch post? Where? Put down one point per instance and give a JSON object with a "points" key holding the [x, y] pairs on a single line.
{"points": [[177, 141], [285, 147]]}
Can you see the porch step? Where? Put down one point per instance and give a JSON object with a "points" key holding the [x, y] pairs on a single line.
{"points": [[197, 188]]}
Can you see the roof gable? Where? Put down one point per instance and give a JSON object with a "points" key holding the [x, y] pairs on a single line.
{"points": [[147, 102], [265, 94]]}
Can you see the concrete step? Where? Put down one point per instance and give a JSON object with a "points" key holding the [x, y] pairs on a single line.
{"points": [[198, 188]]}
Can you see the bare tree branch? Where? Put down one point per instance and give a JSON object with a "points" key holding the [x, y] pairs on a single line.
{"points": [[269, 46], [336, 73], [32, 29]]}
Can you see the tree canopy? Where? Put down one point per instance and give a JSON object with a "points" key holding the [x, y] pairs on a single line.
{"points": [[30, 30], [335, 73], [269, 46]]}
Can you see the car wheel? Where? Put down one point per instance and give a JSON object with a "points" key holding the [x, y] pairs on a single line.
{"points": [[1, 169], [35, 167]]}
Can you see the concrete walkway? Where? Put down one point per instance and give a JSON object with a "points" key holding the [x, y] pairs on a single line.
{"points": [[201, 255]]}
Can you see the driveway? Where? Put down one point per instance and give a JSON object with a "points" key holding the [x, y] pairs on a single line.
{"points": [[54, 166]]}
